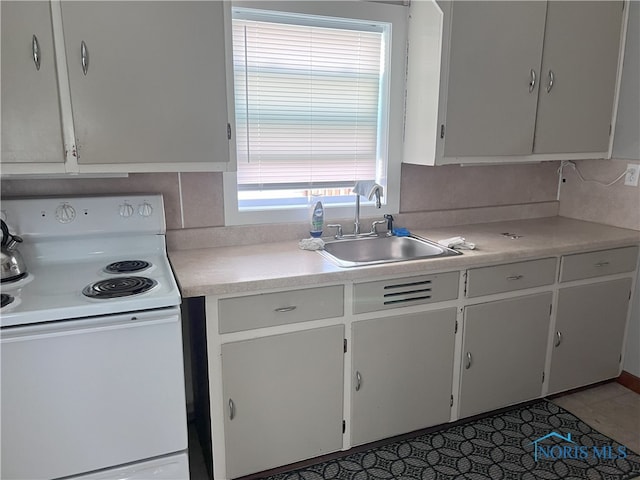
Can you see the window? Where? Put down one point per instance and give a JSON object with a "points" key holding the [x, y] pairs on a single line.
{"points": [[313, 96]]}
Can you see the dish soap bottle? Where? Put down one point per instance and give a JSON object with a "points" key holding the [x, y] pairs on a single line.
{"points": [[317, 216]]}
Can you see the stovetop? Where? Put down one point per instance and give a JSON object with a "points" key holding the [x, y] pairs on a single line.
{"points": [[106, 263]]}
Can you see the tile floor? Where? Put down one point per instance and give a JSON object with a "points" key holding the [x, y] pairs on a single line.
{"points": [[610, 408]]}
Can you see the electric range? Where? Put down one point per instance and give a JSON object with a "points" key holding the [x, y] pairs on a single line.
{"points": [[92, 368]]}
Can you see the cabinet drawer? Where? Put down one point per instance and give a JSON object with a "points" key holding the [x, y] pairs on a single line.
{"points": [[403, 292], [512, 276], [596, 264], [279, 308]]}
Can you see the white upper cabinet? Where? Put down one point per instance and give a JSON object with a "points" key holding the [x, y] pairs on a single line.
{"points": [[520, 81], [142, 86], [578, 76], [147, 81], [495, 47], [31, 129]]}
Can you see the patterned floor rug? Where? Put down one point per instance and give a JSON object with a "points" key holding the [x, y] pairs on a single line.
{"points": [[538, 441]]}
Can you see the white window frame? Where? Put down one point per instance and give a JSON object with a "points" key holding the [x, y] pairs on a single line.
{"points": [[397, 16]]}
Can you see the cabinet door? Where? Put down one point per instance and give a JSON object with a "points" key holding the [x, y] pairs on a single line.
{"points": [[494, 48], [582, 41], [284, 399], [155, 87], [589, 332], [31, 129], [401, 374], [504, 350]]}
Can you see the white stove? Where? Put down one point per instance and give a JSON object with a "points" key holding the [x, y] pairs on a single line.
{"points": [[92, 370], [68, 242]]}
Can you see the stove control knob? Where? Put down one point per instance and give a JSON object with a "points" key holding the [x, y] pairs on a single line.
{"points": [[65, 213], [145, 209], [126, 210]]}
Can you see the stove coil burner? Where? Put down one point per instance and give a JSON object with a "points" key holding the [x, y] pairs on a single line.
{"points": [[127, 266], [16, 278], [119, 287], [5, 299]]}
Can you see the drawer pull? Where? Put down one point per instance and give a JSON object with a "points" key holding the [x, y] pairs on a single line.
{"points": [[602, 264], [467, 364], [515, 277], [232, 410], [358, 381], [286, 309], [558, 338]]}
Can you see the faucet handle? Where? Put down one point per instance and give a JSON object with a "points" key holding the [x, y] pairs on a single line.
{"points": [[389, 219], [338, 228], [374, 231]]}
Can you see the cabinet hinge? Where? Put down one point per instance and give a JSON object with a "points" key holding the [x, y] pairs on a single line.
{"points": [[442, 131], [629, 294], [550, 308], [451, 402], [228, 131], [344, 345], [465, 283], [542, 377], [344, 426], [609, 129], [456, 329]]}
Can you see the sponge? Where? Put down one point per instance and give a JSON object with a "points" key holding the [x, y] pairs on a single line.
{"points": [[401, 232]]}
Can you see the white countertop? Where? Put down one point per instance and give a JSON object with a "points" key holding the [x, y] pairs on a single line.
{"points": [[228, 270]]}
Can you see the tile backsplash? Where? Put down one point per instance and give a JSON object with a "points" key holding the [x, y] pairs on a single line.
{"points": [[195, 200], [617, 205]]}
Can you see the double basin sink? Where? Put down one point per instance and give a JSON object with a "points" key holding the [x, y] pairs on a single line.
{"points": [[355, 252]]}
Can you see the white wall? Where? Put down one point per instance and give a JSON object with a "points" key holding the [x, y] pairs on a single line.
{"points": [[627, 145], [627, 134], [632, 355]]}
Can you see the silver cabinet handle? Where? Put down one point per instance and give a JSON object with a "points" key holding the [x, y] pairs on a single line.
{"points": [[467, 364], [84, 57], [532, 82], [358, 381], [515, 277], [558, 338], [550, 85], [35, 49], [232, 410], [285, 309], [601, 264]]}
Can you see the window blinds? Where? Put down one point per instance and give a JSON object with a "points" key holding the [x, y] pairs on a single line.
{"points": [[307, 100]]}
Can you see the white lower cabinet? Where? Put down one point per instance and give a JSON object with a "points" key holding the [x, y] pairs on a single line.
{"points": [[504, 350], [590, 326], [420, 354], [283, 396], [402, 369]]}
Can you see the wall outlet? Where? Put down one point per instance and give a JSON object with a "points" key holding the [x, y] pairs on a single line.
{"points": [[633, 172]]}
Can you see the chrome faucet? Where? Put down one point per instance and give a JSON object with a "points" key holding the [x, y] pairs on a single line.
{"points": [[368, 189]]}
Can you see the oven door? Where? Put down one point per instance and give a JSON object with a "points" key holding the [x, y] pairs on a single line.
{"points": [[88, 394]]}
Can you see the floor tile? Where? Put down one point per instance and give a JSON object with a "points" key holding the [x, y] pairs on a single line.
{"points": [[611, 409]]}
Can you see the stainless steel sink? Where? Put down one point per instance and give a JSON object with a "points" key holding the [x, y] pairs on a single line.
{"points": [[354, 252]]}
